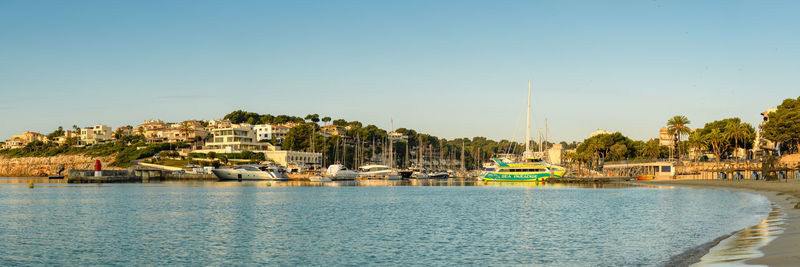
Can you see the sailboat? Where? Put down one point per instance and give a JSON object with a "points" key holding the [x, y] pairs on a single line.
{"points": [[529, 168]]}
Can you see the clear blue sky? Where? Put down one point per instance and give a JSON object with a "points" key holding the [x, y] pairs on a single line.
{"points": [[450, 68]]}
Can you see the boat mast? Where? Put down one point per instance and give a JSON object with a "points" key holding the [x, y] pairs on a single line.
{"points": [[463, 168], [405, 164], [391, 144], [528, 124]]}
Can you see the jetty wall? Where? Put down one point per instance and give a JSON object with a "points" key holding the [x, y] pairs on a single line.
{"points": [[48, 166]]}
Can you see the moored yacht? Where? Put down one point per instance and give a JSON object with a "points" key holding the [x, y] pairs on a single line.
{"points": [[438, 175], [377, 172], [250, 172], [340, 172]]}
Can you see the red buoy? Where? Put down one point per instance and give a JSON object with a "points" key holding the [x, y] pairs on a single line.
{"points": [[97, 166]]}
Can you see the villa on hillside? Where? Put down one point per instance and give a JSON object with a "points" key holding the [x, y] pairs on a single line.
{"points": [[265, 132], [21, 140], [95, 135], [242, 137]]}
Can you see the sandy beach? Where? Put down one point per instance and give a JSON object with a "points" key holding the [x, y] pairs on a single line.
{"points": [[783, 250]]}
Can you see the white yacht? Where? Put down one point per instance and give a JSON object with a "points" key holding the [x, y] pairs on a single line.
{"points": [[378, 172], [250, 172], [438, 175], [340, 172]]}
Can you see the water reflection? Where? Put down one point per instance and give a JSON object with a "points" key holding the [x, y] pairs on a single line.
{"points": [[36, 180], [294, 183], [744, 245]]}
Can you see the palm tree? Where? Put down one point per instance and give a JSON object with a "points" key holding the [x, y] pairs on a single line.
{"points": [[678, 126], [737, 131], [718, 141], [185, 129], [696, 143], [651, 150]]}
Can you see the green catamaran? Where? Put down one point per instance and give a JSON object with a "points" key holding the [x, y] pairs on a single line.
{"points": [[529, 168]]}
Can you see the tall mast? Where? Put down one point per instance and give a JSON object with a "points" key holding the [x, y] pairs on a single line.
{"points": [[405, 164], [462, 156], [391, 143], [528, 123]]}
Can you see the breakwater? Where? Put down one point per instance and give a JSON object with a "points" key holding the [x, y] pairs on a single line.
{"points": [[48, 166], [132, 176]]}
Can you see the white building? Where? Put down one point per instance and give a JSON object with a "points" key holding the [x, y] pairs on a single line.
{"points": [[665, 138], [97, 134], [234, 138], [398, 136], [267, 132], [599, 132], [762, 144], [219, 123], [554, 154], [294, 158]]}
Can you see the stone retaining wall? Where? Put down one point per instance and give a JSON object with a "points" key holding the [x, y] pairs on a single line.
{"points": [[48, 166]]}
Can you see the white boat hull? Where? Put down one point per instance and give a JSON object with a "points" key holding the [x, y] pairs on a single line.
{"points": [[243, 175]]}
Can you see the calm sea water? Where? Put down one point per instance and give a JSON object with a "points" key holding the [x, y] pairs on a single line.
{"points": [[453, 223]]}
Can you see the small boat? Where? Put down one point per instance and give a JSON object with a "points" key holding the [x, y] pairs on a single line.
{"points": [[644, 177], [250, 172], [58, 174], [419, 175], [319, 178]]}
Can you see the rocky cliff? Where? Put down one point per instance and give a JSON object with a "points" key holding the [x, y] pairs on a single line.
{"points": [[48, 166]]}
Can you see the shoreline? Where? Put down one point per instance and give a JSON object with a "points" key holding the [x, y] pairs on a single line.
{"points": [[694, 255], [779, 251]]}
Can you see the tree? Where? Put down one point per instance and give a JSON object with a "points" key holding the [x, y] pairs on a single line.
{"points": [[718, 142], [678, 127], [56, 133], [695, 142], [211, 155], [651, 150], [72, 141], [312, 117], [118, 133], [326, 120], [720, 136], [340, 122], [186, 129], [76, 128], [740, 132], [600, 145], [298, 138], [783, 126], [240, 116]]}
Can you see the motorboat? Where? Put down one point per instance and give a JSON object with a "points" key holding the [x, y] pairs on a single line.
{"points": [[250, 172], [439, 175], [377, 172], [340, 172], [419, 174]]}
